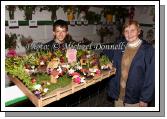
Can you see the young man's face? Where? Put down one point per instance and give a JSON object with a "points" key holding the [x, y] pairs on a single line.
{"points": [[60, 33], [131, 33]]}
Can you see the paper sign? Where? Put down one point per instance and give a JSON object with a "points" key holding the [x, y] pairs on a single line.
{"points": [[13, 23], [32, 23], [72, 23], [79, 22]]}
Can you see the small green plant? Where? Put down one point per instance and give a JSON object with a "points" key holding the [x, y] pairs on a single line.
{"points": [[104, 60]]}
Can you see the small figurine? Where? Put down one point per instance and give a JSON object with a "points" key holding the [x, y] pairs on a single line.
{"points": [[54, 76], [53, 64]]}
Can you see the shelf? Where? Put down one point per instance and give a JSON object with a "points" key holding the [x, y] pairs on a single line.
{"points": [[49, 22]]}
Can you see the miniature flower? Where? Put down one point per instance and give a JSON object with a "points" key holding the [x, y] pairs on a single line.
{"points": [[92, 74], [45, 90], [42, 63], [37, 92], [79, 67], [32, 67], [11, 53], [27, 71], [98, 72], [77, 80], [37, 87], [33, 80], [71, 71], [47, 83], [75, 74], [83, 80], [59, 70]]}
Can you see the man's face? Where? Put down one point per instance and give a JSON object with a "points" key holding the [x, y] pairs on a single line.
{"points": [[60, 33], [131, 33]]}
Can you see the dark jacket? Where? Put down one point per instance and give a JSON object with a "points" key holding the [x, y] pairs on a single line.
{"points": [[52, 45], [141, 78]]}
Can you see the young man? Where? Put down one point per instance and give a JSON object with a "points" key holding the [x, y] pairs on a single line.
{"points": [[61, 35], [134, 82]]}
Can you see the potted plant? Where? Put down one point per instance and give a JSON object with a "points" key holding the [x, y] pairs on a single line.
{"points": [[108, 13], [10, 41], [70, 11], [52, 9], [28, 10], [11, 9], [104, 62], [93, 18], [82, 12], [102, 32]]}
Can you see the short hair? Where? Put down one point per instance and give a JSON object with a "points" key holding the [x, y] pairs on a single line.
{"points": [[61, 23], [128, 23]]}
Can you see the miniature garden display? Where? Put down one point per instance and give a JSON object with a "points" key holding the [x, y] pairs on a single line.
{"points": [[43, 72]]}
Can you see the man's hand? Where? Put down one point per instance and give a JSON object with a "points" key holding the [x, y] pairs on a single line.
{"points": [[143, 104]]}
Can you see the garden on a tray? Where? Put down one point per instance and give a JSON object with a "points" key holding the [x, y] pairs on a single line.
{"points": [[44, 71]]}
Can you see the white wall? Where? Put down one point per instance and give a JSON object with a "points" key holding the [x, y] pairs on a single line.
{"points": [[44, 33]]}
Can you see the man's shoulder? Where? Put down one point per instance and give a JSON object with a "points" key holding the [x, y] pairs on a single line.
{"points": [[50, 42]]}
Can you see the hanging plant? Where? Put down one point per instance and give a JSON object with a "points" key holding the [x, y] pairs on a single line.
{"points": [[28, 11], [52, 9], [70, 10], [11, 9]]}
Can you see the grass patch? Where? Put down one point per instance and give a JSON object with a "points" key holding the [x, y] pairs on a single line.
{"points": [[61, 81]]}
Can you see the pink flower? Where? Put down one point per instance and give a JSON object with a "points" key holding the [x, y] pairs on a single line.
{"points": [[77, 80], [75, 73], [98, 72], [11, 53]]}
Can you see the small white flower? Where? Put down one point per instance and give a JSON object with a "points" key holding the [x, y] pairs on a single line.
{"points": [[47, 83], [27, 71], [42, 63], [45, 90], [92, 74], [79, 67], [82, 80], [59, 70], [71, 71], [37, 86], [32, 67]]}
